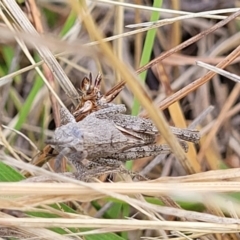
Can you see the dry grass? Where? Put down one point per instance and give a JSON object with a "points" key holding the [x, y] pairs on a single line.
{"points": [[189, 196]]}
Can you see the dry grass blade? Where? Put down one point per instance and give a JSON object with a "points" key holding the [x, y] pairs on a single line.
{"points": [[177, 116], [22, 135], [200, 118], [8, 78], [220, 71], [19, 232], [47, 41], [168, 21], [230, 101], [126, 224], [91, 191], [207, 14], [190, 41], [199, 82], [45, 53]]}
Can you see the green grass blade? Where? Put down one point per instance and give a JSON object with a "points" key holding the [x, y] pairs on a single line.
{"points": [[106, 236], [8, 55], [146, 54], [8, 174], [28, 103], [68, 24]]}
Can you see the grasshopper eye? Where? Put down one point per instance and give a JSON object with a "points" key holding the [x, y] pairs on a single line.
{"points": [[77, 133]]}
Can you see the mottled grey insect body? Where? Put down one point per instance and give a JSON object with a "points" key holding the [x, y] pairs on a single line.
{"points": [[93, 137], [135, 123], [108, 137], [146, 126]]}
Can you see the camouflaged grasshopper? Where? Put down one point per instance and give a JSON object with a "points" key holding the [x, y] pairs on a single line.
{"points": [[108, 137]]}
